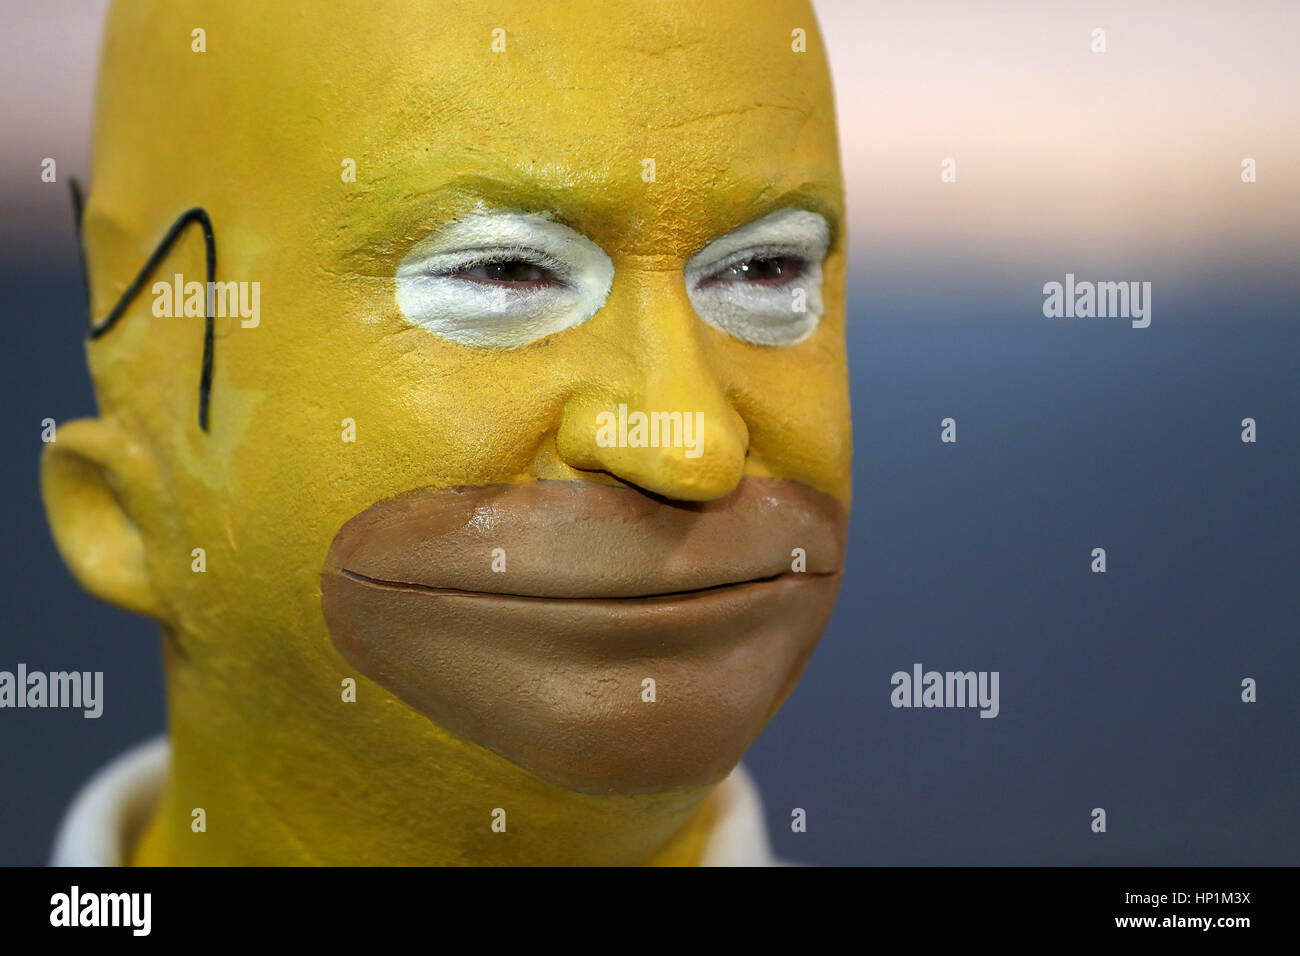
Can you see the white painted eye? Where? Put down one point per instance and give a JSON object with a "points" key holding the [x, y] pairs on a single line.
{"points": [[762, 283], [502, 279]]}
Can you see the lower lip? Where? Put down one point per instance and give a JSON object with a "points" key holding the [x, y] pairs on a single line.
{"points": [[556, 685]]}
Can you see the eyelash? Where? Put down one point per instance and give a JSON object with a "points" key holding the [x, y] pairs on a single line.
{"points": [[762, 254], [554, 268]]}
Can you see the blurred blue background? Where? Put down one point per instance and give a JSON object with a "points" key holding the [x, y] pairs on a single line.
{"points": [[1118, 690]]}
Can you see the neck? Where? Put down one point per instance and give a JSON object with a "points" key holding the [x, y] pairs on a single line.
{"points": [[291, 776]]}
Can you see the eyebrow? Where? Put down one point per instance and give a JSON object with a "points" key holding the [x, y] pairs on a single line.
{"points": [[826, 202], [378, 224], [96, 329], [516, 190]]}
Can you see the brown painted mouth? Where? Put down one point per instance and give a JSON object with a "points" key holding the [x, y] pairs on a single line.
{"points": [[531, 619], [632, 598]]}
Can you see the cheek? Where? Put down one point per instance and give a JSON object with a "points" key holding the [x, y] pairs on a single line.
{"points": [[398, 408], [459, 416], [795, 404]]}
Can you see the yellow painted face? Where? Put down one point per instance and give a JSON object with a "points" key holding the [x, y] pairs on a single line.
{"points": [[477, 230]]}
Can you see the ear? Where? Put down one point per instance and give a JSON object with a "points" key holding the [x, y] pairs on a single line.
{"points": [[90, 474]]}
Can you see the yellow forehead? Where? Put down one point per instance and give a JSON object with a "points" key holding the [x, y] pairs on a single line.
{"points": [[558, 104]]}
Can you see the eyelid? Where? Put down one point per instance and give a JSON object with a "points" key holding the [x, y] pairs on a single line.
{"points": [[755, 253], [449, 263], [789, 231], [482, 234]]}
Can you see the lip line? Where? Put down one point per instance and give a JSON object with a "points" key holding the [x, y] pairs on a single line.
{"points": [[628, 598]]}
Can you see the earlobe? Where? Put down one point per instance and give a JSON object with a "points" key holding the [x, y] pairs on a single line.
{"points": [[89, 475]]}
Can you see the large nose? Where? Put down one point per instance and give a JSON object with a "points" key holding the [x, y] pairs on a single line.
{"points": [[655, 414]]}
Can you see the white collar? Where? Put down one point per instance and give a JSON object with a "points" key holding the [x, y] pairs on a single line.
{"points": [[110, 812]]}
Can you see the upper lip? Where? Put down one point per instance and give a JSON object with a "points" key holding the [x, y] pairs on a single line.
{"points": [[583, 541]]}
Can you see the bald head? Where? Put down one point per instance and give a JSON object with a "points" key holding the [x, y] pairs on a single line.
{"points": [[478, 230]]}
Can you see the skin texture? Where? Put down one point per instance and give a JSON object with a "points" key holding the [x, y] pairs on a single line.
{"points": [[256, 130]]}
